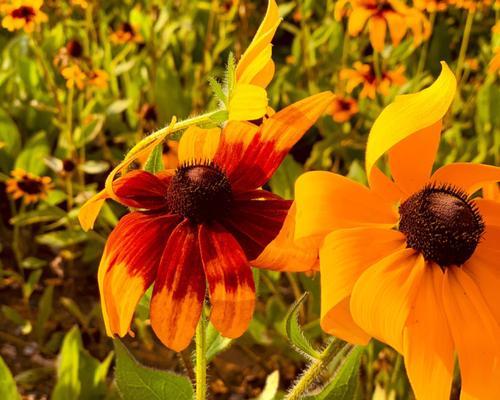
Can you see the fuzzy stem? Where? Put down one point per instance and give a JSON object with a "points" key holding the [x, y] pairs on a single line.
{"points": [[201, 359]]}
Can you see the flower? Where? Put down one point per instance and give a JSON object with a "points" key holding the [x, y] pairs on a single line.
{"points": [[71, 52], [98, 78], [426, 281], [380, 14], [126, 33], [472, 5], [27, 186], [22, 14], [432, 6], [248, 99], [74, 77], [365, 74], [343, 108], [202, 222]]}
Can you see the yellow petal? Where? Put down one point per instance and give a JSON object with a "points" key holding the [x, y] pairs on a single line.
{"points": [[409, 114], [198, 145], [90, 210], [248, 102]]}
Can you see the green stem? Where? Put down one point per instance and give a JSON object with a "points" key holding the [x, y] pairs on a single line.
{"points": [[16, 238], [376, 65], [464, 45], [316, 368], [425, 49], [201, 359]]}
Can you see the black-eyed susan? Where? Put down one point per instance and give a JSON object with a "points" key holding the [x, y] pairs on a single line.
{"points": [[126, 33], [426, 281], [74, 77], [473, 5], [432, 6], [364, 74], [199, 223], [98, 78], [22, 14], [29, 187], [343, 109], [378, 15]]}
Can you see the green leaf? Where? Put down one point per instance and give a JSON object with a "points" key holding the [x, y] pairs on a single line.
{"points": [[10, 141], [68, 384], [295, 334], [283, 181], [230, 74], [217, 89], [48, 214], [61, 239], [271, 388], [31, 283], [31, 157], [8, 389], [136, 381], [154, 162], [216, 343], [43, 314], [118, 106]]}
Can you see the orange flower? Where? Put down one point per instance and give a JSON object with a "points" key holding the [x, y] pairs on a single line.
{"points": [[432, 6], [379, 15], [426, 281], [472, 5], [201, 223], [98, 78], [343, 109], [27, 186], [364, 74], [22, 14], [74, 77], [126, 33]]}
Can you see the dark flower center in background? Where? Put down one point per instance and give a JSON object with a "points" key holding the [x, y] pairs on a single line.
{"points": [[442, 224], [24, 12], [126, 27], [74, 48], [68, 165], [200, 193], [30, 186]]}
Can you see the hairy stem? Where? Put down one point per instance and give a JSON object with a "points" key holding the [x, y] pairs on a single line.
{"points": [[201, 359]]}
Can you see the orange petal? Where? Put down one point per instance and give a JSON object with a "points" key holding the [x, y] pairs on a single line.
{"points": [[128, 265], [475, 333], [489, 210], [377, 27], [179, 289], [397, 26], [428, 346], [341, 264], [327, 201], [357, 20], [90, 210], [385, 293], [198, 145], [411, 160], [384, 187], [467, 176], [230, 280]]}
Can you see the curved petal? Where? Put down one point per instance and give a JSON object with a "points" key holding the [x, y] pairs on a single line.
{"points": [[377, 27], [409, 114], [491, 191], [248, 102], [357, 20], [467, 176], [397, 26], [489, 210], [129, 264], [230, 280], [411, 160], [428, 345], [179, 289], [384, 187], [251, 155], [475, 333], [385, 293], [341, 264], [327, 201], [286, 254], [198, 145], [89, 211]]}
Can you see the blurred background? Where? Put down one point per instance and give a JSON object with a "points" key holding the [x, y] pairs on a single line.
{"points": [[81, 81]]}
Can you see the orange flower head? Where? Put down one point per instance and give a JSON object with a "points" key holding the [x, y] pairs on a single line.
{"points": [[197, 227], [432, 6], [426, 281], [378, 15], [22, 14], [343, 109], [473, 5], [126, 33], [98, 78], [74, 77], [27, 186]]}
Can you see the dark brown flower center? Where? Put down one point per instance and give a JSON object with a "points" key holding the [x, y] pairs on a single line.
{"points": [[24, 12], [30, 186], [442, 224], [200, 193], [74, 48]]}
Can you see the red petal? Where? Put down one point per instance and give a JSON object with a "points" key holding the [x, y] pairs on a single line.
{"points": [[179, 289], [140, 189], [230, 280]]}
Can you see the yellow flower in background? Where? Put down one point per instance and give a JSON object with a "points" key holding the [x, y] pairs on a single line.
{"points": [[27, 186], [22, 14], [80, 3], [494, 65], [473, 5], [126, 33], [248, 98], [426, 281], [343, 109], [378, 15], [364, 74], [74, 77], [432, 6], [98, 78]]}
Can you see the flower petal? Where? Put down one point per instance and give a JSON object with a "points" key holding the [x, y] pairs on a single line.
{"points": [[475, 333], [384, 187], [248, 102], [90, 210], [341, 264], [129, 264], [409, 114], [357, 20], [179, 289], [397, 26], [384, 295], [141, 189], [428, 345], [230, 280], [377, 27], [198, 145], [467, 176], [327, 201], [489, 210]]}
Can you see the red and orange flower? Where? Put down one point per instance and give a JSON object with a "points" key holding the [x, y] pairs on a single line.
{"points": [[202, 223], [426, 281], [343, 109], [22, 14]]}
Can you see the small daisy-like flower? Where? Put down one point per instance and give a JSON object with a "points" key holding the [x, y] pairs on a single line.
{"points": [[126, 33], [74, 77], [69, 53], [27, 186], [98, 78], [432, 6], [364, 74], [472, 5], [378, 15], [202, 223], [22, 14], [343, 109], [427, 276]]}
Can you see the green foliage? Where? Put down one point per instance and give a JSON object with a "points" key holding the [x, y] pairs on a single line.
{"points": [[8, 389]]}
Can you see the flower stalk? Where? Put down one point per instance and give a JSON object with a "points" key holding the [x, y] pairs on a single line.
{"points": [[464, 45], [201, 359]]}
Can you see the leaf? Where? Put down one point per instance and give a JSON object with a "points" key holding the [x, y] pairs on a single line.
{"points": [[295, 334], [92, 167], [154, 162], [61, 239], [31, 283], [10, 140], [68, 384], [48, 214], [216, 343], [118, 106], [230, 74], [271, 388], [283, 181], [31, 157], [136, 381], [43, 314], [217, 90], [8, 389]]}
